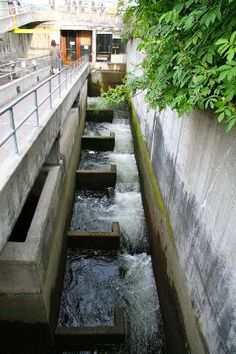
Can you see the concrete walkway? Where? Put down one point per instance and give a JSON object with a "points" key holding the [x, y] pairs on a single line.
{"points": [[18, 170]]}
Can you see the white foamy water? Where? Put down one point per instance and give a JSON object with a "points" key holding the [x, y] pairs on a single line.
{"points": [[123, 136], [127, 208], [138, 289], [95, 284], [127, 172]]}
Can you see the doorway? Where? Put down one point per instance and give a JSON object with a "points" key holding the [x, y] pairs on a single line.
{"points": [[75, 44]]}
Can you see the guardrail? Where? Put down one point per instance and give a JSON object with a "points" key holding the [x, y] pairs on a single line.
{"points": [[19, 68], [38, 100], [8, 8], [14, 7]]}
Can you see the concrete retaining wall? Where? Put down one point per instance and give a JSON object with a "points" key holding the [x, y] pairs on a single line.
{"points": [[193, 163], [15, 46]]}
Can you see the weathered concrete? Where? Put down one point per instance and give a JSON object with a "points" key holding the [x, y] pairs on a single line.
{"points": [[29, 271], [99, 143], [101, 115], [96, 179], [19, 175], [193, 163], [8, 23], [103, 79], [68, 338], [95, 240]]}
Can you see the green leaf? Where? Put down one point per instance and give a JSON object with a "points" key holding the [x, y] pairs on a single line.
{"points": [[221, 117], [221, 41], [222, 48], [230, 125], [230, 54], [232, 37]]}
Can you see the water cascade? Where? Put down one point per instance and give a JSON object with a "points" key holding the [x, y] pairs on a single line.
{"points": [[97, 281]]}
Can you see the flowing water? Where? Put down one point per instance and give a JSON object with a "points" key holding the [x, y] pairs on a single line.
{"points": [[96, 281]]}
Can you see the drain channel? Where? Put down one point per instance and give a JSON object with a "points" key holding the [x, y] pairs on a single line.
{"points": [[109, 302]]}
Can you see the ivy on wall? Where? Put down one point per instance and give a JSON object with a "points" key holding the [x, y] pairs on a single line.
{"points": [[190, 49]]}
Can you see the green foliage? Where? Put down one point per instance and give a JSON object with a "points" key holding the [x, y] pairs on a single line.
{"points": [[115, 96], [190, 49]]}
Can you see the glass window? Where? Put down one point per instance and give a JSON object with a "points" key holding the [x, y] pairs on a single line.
{"points": [[118, 47], [70, 46], [104, 47]]}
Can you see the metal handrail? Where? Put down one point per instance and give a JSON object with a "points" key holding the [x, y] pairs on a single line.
{"points": [[11, 69], [9, 8], [66, 75]]}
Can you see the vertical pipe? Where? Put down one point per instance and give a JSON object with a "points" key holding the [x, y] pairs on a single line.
{"points": [[94, 46]]}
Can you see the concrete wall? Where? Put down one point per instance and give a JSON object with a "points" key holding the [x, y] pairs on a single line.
{"points": [[194, 166], [15, 46], [31, 272], [103, 76]]}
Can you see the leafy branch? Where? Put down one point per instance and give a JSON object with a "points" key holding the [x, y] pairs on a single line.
{"points": [[190, 49]]}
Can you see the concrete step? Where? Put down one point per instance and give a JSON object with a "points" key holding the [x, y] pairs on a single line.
{"points": [[95, 240], [72, 338], [99, 115], [96, 179], [98, 143]]}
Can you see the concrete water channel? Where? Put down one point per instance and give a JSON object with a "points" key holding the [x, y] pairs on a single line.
{"points": [[109, 301], [77, 270]]}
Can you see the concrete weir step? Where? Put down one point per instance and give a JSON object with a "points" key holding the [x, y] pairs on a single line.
{"points": [[71, 338], [99, 143], [95, 240], [99, 115], [96, 179]]}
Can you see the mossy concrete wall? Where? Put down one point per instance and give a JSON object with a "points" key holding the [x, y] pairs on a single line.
{"points": [[192, 162]]}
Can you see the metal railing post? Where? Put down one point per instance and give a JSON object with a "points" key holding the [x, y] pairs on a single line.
{"points": [[37, 107], [11, 65], [59, 83], [50, 92], [12, 123], [66, 77]]}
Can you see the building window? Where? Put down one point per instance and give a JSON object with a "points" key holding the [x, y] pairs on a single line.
{"points": [[104, 47], [118, 47]]}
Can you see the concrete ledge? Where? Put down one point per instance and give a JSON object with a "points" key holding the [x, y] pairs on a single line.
{"points": [[73, 337], [99, 143], [96, 179], [25, 265], [95, 115], [95, 240]]}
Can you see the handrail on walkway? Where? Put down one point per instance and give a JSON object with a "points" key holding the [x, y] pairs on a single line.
{"points": [[50, 89], [13, 69], [8, 8]]}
